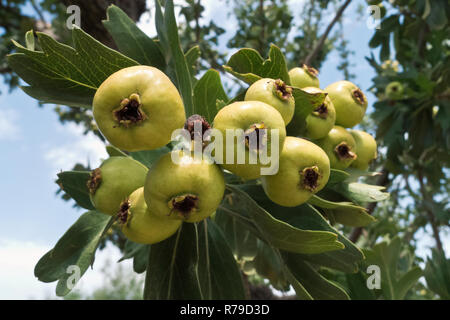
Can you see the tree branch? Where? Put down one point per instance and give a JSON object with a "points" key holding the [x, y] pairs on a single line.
{"points": [[312, 55], [429, 213]]}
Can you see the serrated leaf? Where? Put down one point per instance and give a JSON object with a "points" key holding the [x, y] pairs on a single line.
{"points": [[192, 56], [316, 285], [74, 183], [148, 157], [64, 75], [242, 242], [437, 274], [139, 253], [248, 65], [172, 268], [386, 255], [131, 40], [208, 91], [305, 103], [219, 275], [29, 40], [307, 217], [337, 176], [75, 248], [281, 234], [345, 213], [180, 65], [115, 152], [361, 192]]}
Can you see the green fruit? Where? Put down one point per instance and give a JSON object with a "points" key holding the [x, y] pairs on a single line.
{"points": [[275, 93], [113, 181], [142, 226], [366, 149], [322, 119], [304, 170], [394, 90], [252, 122], [188, 190], [304, 77], [138, 108], [349, 101], [340, 146]]}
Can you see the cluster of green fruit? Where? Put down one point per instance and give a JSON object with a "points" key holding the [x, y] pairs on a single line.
{"points": [[138, 108]]}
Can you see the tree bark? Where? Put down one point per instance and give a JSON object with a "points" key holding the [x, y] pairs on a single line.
{"points": [[312, 55]]}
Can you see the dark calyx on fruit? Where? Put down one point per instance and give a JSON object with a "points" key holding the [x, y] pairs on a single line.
{"points": [[344, 152], [196, 125], [310, 178], [94, 180], [321, 111], [256, 137], [312, 71], [130, 111], [358, 95], [124, 211], [184, 205], [282, 91]]}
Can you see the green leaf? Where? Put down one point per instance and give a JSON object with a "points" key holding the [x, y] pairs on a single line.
{"points": [[29, 40], [281, 234], [148, 157], [437, 274], [172, 268], [131, 40], [316, 285], [357, 287], [307, 217], [268, 264], [361, 192], [386, 256], [64, 75], [139, 253], [192, 56], [305, 103], [208, 91], [115, 152], [242, 242], [76, 248], [248, 65], [182, 72], [300, 290], [346, 213], [219, 275], [337, 176], [74, 183]]}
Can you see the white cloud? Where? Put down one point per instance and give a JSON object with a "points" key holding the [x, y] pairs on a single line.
{"points": [[78, 148], [17, 261], [9, 129]]}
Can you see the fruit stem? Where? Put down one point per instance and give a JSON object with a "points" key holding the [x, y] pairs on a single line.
{"points": [[94, 181]]}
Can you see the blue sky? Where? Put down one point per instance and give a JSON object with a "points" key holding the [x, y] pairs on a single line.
{"points": [[35, 147]]}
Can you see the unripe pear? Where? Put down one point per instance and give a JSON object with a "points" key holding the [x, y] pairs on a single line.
{"points": [[113, 181]]}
